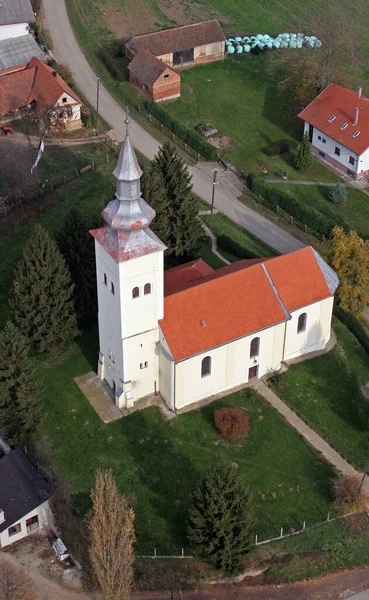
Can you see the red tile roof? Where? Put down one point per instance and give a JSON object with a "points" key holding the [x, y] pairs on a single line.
{"points": [[126, 245], [34, 83], [181, 277], [341, 102], [147, 68], [178, 38], [238, 300]]}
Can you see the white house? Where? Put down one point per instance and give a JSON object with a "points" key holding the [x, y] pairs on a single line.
{"points": [[15, 16], [24, 498], [191, 331], [337, 123]]}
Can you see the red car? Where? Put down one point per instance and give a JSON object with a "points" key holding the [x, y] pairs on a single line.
{"points": [[6, 130]]}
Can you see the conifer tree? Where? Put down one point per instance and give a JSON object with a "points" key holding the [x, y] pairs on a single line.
{"points": [[155, 193], [19, 389], [185, 229], [77, 246], [220, 519], [304, 158], [338, 194], [42, 294]]}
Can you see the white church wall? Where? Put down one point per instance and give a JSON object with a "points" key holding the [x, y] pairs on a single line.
{"points": [[141, 363], [166, 374], [317, 333]]}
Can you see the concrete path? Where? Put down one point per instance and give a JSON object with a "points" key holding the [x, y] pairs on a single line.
{"points": [[309, 434], [213, 239], [66, 50]]}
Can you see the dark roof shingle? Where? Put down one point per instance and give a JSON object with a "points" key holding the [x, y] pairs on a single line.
{"points": [[18, 51], [16, 11], [147, 68]]}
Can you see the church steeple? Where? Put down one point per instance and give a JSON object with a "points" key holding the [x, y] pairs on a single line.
{"points": [[128, 216]]}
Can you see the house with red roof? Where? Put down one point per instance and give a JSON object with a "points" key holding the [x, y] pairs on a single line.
{"points": [[337, 123], [153, 77], [39, 86], [191, 331]]}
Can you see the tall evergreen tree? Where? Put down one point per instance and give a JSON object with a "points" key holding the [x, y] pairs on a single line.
{"points": [[42, 294], [155, 193], [77, 246], [220, 519], [185, 229], [304, 158], [19, 389]]}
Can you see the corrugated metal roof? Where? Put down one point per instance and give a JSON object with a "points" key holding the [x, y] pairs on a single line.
{"points": [[19, 51], [16, 11]]}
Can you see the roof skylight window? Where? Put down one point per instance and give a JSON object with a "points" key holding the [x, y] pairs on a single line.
{"points": [[357, 132], [332, 118], [344, 126]]}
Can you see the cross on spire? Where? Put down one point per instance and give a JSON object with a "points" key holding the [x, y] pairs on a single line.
{"points": [[127, 120]]}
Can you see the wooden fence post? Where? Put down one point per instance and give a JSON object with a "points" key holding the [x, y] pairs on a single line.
{"points": [[291, 220]]}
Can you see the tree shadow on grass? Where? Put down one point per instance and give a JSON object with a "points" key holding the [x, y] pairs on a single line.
{"points": [[169, 478], [88, 343], [280, 108]]}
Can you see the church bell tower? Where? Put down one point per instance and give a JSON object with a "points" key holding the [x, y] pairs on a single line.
{"points": [[130, 286]]}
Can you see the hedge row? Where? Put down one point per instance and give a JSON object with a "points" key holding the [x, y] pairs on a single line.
{"points": [[281, 148], [354, 325], [188, 135], [226, 243], [307, 215]]}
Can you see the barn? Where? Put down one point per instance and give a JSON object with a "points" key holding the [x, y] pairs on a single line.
{"points": [[182, 46], [153, 77]]}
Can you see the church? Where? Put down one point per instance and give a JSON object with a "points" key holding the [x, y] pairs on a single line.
{"points": [[191, 331]]}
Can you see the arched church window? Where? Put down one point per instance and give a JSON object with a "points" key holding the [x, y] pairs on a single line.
{"points": [[301, 323], [206, 366], [135, 292], [147, 288], [255, 347], [112, 289]]}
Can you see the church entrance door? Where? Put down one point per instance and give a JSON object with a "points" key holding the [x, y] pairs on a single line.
{"points": [[253, 372]]}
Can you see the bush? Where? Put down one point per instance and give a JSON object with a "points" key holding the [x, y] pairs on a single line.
{"points": [[189, 136], [338, 194], [281, 148], [354, 325], [304, 159], [307, 215], [87, 119], [232, 424], [226, 243], [348, 497], [113, 56]]}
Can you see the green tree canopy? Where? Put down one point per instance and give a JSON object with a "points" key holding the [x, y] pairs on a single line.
{"points": [[154, 192], [42, 294], [303, 158], [220, 519], [19, 389]]}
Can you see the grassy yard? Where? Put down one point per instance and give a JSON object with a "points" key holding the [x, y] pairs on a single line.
{"points": [[354, 214], [325, 393], [158, 464]]}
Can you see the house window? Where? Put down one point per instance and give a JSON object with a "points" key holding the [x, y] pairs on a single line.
{"points": [[146, 87], [351, 160], [166, 75], [105, 279], [337, 151], [255, 347], [32, 523], [14, 530], [324, 140], [136, 292], [147, 289], [350, 173], [206, 366], [144, 365], [64, 100], [112, 288], [319, 137], [332, 118], [301, 323], [321, 154]]}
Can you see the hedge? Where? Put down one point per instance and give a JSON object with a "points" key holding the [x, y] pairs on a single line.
{"points": [[226, 243], [188, 135], [307, 215], [281, 148], [354, 325]]}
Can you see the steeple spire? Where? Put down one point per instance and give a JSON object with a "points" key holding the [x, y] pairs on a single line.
{"points": [[127, 168]]}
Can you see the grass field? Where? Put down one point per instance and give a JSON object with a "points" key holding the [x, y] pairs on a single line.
{"points": [[354, 214], [325, 393]]}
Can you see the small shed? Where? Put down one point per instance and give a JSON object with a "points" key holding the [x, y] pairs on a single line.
{"points": [[153, 77]]}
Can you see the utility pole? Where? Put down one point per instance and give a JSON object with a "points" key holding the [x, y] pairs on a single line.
{"points": [[97, 98], [213, 196]]}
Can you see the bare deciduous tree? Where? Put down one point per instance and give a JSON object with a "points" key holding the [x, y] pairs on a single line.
{"points": [[13, 584], [310, 70], [112, 537]]}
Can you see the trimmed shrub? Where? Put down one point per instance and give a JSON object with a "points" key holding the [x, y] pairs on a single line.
{"points": [[226, 243], [307, 215], [232, 424], [348, 497], [354, 325], [338, 194], [187, 135], [281, 148], [304, 158]]}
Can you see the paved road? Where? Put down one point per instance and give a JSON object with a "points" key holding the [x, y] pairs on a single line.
{"points": [[66, 50]]}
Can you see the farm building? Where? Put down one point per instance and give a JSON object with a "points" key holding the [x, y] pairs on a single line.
{"points": [[15, 16], [153, 77], [182, 46], [40, 87], [16, 53], [337, 123]]}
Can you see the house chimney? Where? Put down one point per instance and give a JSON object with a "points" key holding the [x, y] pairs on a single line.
{"points": [[359, 92], [2, 516], [356, 117]]}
